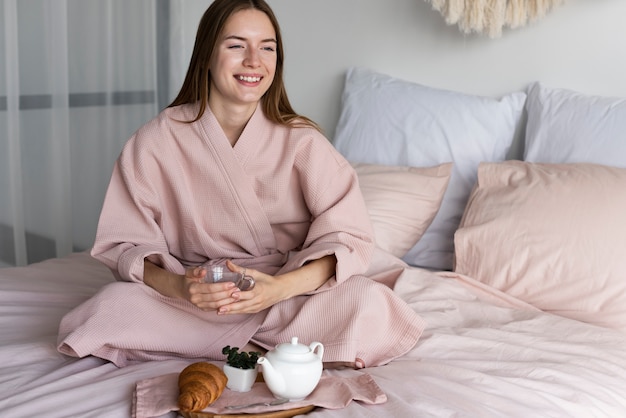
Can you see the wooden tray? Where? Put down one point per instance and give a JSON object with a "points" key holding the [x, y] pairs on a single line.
{"points": [[287, 413]]}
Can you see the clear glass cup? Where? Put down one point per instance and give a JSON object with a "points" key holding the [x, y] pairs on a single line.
{"points": [[216, 274]]}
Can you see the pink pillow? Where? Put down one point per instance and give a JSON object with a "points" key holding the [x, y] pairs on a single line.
{"points": [[402, 201], [552, 235]]}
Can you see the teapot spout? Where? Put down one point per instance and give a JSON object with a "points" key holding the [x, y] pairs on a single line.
{"points": [[274, 380]]}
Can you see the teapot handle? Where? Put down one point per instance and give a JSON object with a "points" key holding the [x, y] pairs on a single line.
{"points": [[320, 349]]}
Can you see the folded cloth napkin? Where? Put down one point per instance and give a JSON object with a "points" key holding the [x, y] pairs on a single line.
{"points": [[336, 389]]}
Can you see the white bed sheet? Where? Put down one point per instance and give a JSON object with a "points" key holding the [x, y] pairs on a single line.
{"points": [[475, 359]]}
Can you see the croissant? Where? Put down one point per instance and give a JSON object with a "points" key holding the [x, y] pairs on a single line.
{"points": [[199, 385]]}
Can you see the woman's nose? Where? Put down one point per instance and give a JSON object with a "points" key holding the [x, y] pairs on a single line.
{"points": [[252, 58]]}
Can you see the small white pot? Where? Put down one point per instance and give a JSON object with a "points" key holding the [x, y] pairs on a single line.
{"points": [[240, 380]]}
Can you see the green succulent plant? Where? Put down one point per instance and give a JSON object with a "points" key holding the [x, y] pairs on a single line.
{"points": [[240, 360]]}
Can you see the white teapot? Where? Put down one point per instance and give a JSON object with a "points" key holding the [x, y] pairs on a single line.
{"points": [[292, 370]]}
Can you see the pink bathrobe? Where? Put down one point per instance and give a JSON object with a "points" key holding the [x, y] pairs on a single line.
{"points": [[181, 196]]}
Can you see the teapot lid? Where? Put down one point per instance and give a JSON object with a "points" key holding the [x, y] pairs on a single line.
{"points": [[293, 347]]}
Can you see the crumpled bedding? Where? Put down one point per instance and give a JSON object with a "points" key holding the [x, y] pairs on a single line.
{"points": [[482, 354]]}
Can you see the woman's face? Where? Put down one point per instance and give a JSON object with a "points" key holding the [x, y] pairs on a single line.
{"points": [[243, 63]]}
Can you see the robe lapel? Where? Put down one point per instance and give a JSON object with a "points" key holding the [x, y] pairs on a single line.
{"points": [[230, 162], [253, 137]]}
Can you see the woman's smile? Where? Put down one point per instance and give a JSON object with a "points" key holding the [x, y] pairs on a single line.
{"points": [[249, 79]]}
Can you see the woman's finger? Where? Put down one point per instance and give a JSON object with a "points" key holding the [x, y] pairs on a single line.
{"points": [[209, 296]]}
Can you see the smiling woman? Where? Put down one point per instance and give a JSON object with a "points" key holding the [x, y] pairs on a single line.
{"points": [[196, 85], [242, 69], [229, 175]]}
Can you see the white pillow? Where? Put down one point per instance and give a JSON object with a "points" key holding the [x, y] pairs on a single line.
{"points": [[385, 120], [569, 127]]}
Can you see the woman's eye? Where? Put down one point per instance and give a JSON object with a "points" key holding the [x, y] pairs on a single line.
{"points": [[269, 48], [235, 46]]}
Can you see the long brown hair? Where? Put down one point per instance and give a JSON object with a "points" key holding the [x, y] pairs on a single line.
{"points": [[196, 87]]}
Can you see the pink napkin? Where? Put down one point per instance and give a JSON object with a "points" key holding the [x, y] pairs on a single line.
{"points": [[159, 395]]}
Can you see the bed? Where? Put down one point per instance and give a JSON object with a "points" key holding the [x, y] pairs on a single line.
{"points": [[516, 265]]}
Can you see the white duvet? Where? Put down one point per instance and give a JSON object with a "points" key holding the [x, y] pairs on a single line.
{"points": [[475, 359]]}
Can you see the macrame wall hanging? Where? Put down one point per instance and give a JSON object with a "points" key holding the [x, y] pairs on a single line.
{"points": [[490, 16]]}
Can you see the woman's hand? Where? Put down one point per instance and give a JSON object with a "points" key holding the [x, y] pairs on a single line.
{"points": [[226, 298], [208, 296], [190, 286], [266, 292], [269, 290]]}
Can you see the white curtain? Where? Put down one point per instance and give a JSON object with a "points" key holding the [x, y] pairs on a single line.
{"points": [[77, 78]]}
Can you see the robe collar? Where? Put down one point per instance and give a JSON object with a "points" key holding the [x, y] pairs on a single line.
{"points": [[231, 162], [249, 141]]}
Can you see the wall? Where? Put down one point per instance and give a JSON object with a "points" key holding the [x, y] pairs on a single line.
{"points": [[580, 45]]}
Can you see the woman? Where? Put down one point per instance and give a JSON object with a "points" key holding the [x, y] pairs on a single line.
{"points": [[230, 175]]}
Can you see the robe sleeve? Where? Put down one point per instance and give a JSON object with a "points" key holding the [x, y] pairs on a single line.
{"points": [[128, 230], [340, 222]]}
